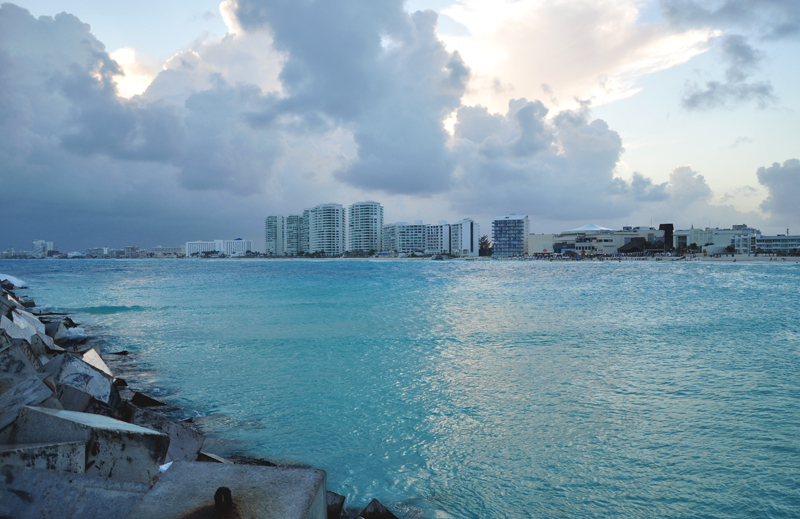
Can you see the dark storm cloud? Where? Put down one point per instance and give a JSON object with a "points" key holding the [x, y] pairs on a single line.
{"points": [[772, 19], [743, 60], [374, 68], [783, 184]]}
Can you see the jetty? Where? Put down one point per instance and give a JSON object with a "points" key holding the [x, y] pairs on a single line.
{"points": [[77, 442]]}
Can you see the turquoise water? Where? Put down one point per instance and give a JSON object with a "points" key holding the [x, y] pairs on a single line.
{"points": [[476, 389]]}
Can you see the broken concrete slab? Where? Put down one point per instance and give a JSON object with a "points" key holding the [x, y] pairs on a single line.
{"points": [[63, 457], [114, 449], [375, 510], [20, 314], [15, 331], [209, 457], [38, 494], [335, 503], [26, 389], [56, 330], [256, 492], [142, 400], [184, 441], [18, 357], [92, 358], [74, 372], [42, 344]]}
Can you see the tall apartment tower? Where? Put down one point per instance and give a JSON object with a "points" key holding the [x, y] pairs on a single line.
{"points": [[293, 222], [326, 229], [364, 225], [438, 238], [304, 241], [510, 236], [464, 238], [273, 234]]}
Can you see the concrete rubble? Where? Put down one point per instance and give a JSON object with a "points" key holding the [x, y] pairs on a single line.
{"points": [[73, 445]]}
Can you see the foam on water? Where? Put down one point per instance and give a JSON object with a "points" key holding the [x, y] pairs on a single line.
{"points": [[472, 389], [16, 281]]}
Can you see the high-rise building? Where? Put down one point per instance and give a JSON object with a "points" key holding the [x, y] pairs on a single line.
{"points": [[273, 235], [464, 238], [327, 229], [304, 243], [40, 248], [438, 241], [510, 236], [293, 222], [405, 238], [364, 225], [389, 237]]}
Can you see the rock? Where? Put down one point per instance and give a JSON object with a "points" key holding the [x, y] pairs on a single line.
{"points": [[7, 304], [56, 330], [38, 494], [63, 457], [123, 352], [74, 372], [29, 318], [15, 331], [19, 390], [42, 345], [188, 489], [184, 441], [120, 382], [375, 510], [335, 504], [93, 359], [18, 357], [114, 449], [27, 302], [212, 458], [142, 400], [6, 284]]}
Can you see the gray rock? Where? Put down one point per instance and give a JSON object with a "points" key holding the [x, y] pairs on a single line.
{"points": [[74, 372], [212, 458], [335, 504], [63, 457], [257, 492], [114, 449], [39, 494], [56, 330], [184, 441], [18, 357], [375, 510], [20, 390]]}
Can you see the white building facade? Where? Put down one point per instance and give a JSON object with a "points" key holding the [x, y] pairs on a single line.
{"points": [[438, 240], [364, 226], [465, 238], [237, 247], [274, 234], [327, 230]]}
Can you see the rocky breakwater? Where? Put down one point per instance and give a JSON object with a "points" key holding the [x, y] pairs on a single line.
{"points": [[75, 442]]}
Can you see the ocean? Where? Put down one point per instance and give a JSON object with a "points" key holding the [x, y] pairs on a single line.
{"points": [[452, 389]]}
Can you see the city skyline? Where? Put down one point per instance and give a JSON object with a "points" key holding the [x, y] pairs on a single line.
{"points": [[621, 112]]}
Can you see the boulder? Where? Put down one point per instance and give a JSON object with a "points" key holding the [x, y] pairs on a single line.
{"points": [[74, 372], [38, 494], [18, 357], [142, 400], [184, 441], [375, 510], [93, 359], [63, 457], [22, 315], [212, 458], [20, 389], [114, 449], [188, 489], [335, 504], [56, 330], [15, 331]]}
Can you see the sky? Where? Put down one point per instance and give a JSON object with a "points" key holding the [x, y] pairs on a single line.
{"points": [[155, 123]]}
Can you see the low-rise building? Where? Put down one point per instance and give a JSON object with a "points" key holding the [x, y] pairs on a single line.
{"points": [[592, 239], [683, 239], [160, 252]]}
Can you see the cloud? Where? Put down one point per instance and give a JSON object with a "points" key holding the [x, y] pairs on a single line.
{"points": [[739, 141], [772, 19], [687, 186], [783, 184], [742, 62]]}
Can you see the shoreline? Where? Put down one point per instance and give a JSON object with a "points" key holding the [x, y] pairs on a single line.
{"points": [[52, 380]]}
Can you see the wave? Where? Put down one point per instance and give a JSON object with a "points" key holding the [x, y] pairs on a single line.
{"points": [[108, 309], [16, 281]]}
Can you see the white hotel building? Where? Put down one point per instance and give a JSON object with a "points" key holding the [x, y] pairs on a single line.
{"points": [[364, 225], [274, 226], [237, 247], [326, 229]]}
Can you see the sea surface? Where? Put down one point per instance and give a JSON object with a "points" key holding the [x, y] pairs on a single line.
{"points": [[475, 389]]}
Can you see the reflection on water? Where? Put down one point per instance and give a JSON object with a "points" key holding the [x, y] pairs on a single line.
{"points": [[454, 389]]}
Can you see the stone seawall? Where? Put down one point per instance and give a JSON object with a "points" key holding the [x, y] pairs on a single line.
{"points": [[75, 441]]}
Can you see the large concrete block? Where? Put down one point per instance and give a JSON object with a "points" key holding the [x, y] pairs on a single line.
{"points": [[56, 330], [114, 449], [375, 510], [20, 390], [40, 494], [74, 372], [18, 357], [184, 441], [63, 457], [15, 331], [187, 489], [93, 359], [22, 315]]}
